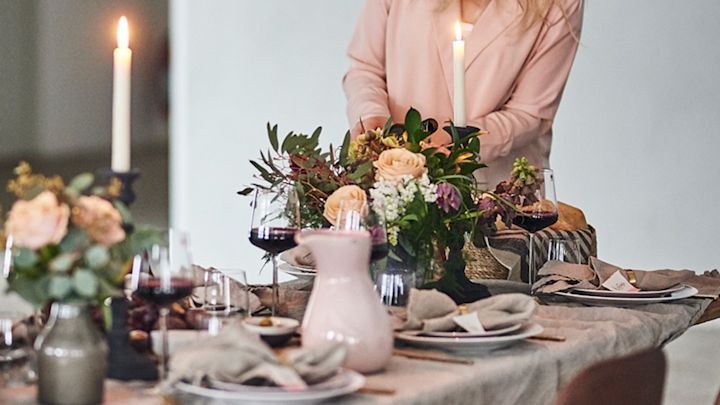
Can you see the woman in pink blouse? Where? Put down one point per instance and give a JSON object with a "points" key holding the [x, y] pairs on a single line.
{"points": [[518, 55]]}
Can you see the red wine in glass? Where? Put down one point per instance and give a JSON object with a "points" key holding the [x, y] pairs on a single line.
{"points": [[536, 220], [378, 251], [154, 290], [273, 240]]}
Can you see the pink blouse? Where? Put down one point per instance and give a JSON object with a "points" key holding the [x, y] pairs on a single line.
{"points": [[401, 56]]}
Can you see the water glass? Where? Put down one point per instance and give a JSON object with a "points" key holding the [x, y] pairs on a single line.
{"points": [[15, 352], [226, 293], [393, 284], [564, 250]]}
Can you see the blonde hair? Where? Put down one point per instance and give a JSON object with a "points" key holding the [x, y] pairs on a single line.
{"points": [[533, 10]]}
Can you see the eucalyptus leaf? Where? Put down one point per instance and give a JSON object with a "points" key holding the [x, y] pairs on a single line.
{"points": [[62, 263], [32, 290], [82, 182], [123, 210], [75, 239], [85, 283], [246, 191], [60, 287], [97, 257], [344, 149], [25, 258]]}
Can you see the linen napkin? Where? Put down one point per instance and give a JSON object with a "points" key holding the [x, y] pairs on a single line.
{"points": [[299, 256], [237, 355], [558, 276], [431, 310]]}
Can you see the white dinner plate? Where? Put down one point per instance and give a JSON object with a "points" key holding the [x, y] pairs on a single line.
{"points": [[343, 383], [487, 333], [471, 345], [685, 292], [297, 271], [628, 294]]}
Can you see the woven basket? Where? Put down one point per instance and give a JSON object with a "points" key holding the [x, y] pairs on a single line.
{"points": [[482, 265]]}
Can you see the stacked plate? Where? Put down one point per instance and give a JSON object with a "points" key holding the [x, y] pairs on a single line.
{"points": [[470, 342], [343, 383], [603, 297], [301, 272]]}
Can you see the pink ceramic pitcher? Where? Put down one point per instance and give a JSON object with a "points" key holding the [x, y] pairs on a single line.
{"points": [[343, 306]]}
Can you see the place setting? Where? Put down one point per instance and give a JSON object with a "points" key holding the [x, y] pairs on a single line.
{"points": [[433, 320], [599, 283]]}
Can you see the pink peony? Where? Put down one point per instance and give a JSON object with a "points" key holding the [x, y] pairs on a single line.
{"points": [[38, 222], [99, 219]]}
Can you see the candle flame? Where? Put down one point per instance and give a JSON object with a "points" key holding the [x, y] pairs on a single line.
{"points": [[458, 31], [122, 33]]}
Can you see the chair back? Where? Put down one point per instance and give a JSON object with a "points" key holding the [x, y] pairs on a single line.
{"points": [[637, 379]]}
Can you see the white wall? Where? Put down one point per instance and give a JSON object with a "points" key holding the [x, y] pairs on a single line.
{"points": [[237, 65], [636, 133]]}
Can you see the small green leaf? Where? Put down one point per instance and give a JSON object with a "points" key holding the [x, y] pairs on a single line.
{"points": [[85, 283], [123, 210], [62, 263], [272, 134], [386, 127], [361, 171], [82, 182], [344, 149], [74, 240], [97, 257], [246, 191], [25, 258], [413, 121], [60, 287], [263, 172]]}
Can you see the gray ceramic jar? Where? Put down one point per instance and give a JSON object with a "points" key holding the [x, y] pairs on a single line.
{"points": [[71, 358]]}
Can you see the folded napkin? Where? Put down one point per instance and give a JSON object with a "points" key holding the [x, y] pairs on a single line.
{"points": [[299, 256], [558, 276], [239, 356], [431, 310]]}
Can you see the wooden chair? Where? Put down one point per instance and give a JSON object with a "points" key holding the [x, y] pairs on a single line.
{"points": [[637, 379]]}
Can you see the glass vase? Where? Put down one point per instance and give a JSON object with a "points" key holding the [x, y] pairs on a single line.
{"points": [[71, 358]]}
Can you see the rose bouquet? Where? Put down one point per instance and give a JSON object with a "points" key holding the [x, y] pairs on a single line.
{"points": [[68, 243], [427, 195]]}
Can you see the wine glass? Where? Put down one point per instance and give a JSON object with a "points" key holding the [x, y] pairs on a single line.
{"points": [[356, 215], [539, 215], [275, 220], [167, 278]]}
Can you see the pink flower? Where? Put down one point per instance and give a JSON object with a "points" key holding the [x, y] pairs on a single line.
{"points": [[447, 197], [38, 222], [99, 219]]}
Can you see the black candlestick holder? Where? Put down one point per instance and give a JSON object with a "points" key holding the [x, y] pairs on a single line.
{"points": [[126, 194]]}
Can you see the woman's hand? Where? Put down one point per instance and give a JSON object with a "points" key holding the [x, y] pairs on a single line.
{"points": [[368, 124]]}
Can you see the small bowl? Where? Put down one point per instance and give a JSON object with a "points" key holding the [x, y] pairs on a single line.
{"points": [[277, 334]]}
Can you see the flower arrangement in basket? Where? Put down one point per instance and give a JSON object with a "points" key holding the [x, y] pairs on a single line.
{"points": [[427, 194], [68, 242]]}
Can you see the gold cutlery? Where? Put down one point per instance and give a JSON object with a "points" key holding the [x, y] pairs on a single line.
{"points": [[439, 357]]}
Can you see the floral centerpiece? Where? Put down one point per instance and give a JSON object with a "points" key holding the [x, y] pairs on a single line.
{"points": [[68, 243], [427, 194]]}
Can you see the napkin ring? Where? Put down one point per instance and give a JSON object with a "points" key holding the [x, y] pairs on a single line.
{"points": [[631, 277]]}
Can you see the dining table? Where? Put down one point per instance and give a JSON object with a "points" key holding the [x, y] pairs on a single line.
{"points": [[528, 372]]}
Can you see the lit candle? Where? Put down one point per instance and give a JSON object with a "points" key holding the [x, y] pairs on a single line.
{"points": [[459, 77], [122, 60]]}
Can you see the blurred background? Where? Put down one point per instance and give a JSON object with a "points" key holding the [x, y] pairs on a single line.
{"points": [[635, 145]]}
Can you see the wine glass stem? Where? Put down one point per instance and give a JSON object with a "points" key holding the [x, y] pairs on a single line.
{"points": [[275, 287], [532, 271], [164, 312]]}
